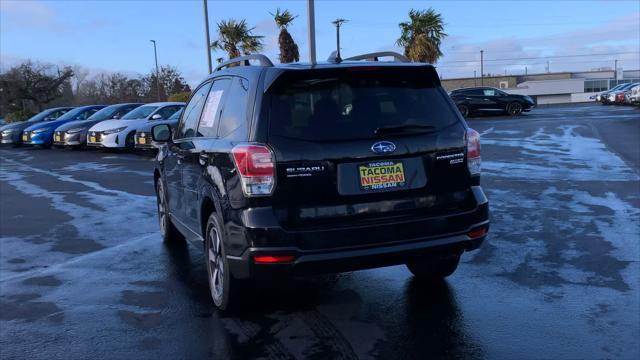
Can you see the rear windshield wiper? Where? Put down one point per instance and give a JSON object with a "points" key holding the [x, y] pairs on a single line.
{"points": [[404, 129]]}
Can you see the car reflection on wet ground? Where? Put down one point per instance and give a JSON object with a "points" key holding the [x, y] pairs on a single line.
{"points": [[83, 272]]}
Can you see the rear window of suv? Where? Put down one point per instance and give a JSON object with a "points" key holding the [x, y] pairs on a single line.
{"points": [[352, 104]]}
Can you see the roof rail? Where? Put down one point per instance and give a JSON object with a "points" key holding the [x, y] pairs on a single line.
{"points": [[374, 56], [244, 61]]}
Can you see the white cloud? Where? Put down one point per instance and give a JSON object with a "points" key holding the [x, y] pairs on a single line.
{"points": [[618, 35], [35, 14]]}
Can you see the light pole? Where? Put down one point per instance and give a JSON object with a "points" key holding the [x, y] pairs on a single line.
{"points": [[337, 23], [206, 31], [312, 31], [155, 53], [481, 67]]}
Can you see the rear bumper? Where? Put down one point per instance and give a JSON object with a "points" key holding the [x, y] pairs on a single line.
{"points": [[399, 242]]}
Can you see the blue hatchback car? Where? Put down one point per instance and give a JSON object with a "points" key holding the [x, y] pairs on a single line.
{"points": [[42, 133]]}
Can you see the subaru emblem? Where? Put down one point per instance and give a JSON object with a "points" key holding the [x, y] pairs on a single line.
{"points": [[383, 147]]}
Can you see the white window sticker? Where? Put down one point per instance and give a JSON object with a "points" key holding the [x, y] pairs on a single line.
{"points": [[211, 109]]}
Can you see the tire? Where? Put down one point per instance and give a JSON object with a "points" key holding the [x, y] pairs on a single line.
{"points": [[222, 286], [514, 108], [464, 110], [433, 269], [168, 231]]}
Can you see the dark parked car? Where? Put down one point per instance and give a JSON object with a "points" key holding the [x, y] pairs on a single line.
{"points": [[12, 133], [302, 169], [41, 134], [487, 99], [143, 134], [74, 133]]}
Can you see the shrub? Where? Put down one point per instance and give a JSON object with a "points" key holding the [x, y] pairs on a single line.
{"points": [[181, 97], [17, 116]]}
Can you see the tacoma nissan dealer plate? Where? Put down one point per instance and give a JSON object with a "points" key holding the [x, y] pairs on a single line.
{"points": [[381, 175]]}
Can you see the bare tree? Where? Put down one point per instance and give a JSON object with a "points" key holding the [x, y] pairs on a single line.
{"points": [[32, 85]]}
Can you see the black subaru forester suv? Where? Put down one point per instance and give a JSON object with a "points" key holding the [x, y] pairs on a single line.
{"points": [[338, 166]]}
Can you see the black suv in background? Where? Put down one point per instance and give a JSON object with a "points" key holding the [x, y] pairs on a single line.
{"points": [[338, 166], [488, 99]]}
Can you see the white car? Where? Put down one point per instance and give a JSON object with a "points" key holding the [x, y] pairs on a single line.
{"points": [[634, 95], [120, 133]]}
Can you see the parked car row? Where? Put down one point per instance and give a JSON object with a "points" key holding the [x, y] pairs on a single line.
{"points": [[101, 126], [475, 100], [622, 94]]}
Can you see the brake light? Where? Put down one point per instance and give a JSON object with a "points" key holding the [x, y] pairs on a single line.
{"points": [[273, 259], [474, 161], [255, 165]]}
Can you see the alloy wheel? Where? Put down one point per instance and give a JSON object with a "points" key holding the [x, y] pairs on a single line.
{"points": [[464, 110], [515, 108], [162, 209], [215, 265]]}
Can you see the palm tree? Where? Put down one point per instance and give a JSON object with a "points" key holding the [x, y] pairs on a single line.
{"points": [[421, 37], [236, 38], [288, 48]]}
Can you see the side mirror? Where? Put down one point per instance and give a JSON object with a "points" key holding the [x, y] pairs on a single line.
{"points": [[161, 133], [156, 117]]}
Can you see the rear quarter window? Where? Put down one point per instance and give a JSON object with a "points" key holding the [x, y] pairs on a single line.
{"points": [[234, 113], [349, 105]]}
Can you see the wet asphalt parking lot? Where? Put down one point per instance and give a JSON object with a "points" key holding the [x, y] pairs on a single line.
{"points": [[84, 273]]}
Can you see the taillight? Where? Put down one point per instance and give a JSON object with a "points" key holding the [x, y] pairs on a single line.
{"points": [[474, 161], [256, 168]]}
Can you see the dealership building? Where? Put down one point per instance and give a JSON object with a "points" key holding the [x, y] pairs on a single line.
{"points": [[552, 88]]}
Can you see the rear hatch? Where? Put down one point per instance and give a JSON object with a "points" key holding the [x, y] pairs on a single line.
{"points": [[358, 146]]}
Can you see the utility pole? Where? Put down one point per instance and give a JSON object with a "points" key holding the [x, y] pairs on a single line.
{"points": [[338, 23], [481, 67], [615, 70], [548, 68], [475, 83], [206, 32], [525, 71], [155, 53], [312, 31]]}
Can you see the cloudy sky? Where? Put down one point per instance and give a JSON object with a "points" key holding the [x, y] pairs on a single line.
{"points": [[114, 35]]}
